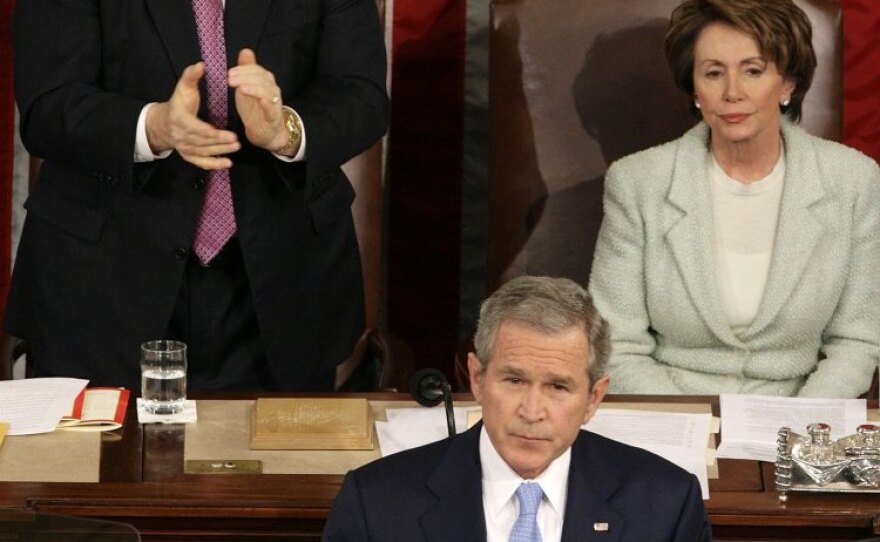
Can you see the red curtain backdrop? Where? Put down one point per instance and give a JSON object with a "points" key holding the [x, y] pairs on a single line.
{"points": [[7, 127], [861, 82]]}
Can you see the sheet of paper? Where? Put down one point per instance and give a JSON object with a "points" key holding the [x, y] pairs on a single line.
{"points": [[647, 428], [750, 423], [678, 437], [410, 427], [36, 405], [101, 404]]}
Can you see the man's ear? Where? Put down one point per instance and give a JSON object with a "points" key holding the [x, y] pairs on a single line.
{"points": [[597, 393], [475, 372]]}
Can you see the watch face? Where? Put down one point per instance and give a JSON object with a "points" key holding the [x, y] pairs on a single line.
{"points": [[291, 122]]}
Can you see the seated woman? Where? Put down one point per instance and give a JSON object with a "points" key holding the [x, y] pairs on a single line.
{"points": [[743, 257]]}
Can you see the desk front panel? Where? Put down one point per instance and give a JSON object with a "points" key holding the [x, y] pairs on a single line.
{"points": [[143, 483]]}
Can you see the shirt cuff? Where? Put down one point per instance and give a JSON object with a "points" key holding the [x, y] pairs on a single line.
{"points": [[301, 153], [142, 150]]}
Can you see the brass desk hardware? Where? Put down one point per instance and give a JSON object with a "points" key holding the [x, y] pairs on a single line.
{"points": [[223, 466]]}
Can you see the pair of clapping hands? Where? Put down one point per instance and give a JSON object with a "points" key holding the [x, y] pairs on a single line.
{"points": [[175, 125]]}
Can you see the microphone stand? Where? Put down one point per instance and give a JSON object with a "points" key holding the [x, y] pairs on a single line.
{"points": [[447, 401], [428, 387]]}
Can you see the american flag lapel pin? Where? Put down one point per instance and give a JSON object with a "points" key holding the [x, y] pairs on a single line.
{"points": [[600, 527]]}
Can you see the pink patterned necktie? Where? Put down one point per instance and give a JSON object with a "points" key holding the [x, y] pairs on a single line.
{"points": [[217, 220]]}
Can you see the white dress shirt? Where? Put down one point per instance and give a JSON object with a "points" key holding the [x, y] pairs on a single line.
{"points": [[500, 504]]}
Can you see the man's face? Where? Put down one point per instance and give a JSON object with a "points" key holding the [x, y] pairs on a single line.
{"points": [[535, 394]]}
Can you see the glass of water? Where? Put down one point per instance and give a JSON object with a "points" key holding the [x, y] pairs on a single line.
{"points": [[163, 376]]}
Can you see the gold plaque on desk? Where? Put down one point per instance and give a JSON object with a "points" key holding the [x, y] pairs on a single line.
{"points": [[311, 424]]}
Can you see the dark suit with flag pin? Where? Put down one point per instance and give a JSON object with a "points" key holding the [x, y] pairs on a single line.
{"points": [[538, 374]]}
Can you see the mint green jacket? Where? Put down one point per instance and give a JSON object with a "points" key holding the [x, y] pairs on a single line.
{"points": [[817, 331]]}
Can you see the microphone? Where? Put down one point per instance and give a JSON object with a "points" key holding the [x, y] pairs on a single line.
{"points": [[428, 387]]}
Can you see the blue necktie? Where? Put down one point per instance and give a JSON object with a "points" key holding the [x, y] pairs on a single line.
{"points": [[526, 527]]}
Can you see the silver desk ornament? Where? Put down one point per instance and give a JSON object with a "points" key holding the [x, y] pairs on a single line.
{"points": [[814, 462]]}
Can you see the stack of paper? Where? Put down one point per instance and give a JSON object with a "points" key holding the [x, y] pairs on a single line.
{"points": [[36, 405], [750, 423], [678, 437], [411, 427]]}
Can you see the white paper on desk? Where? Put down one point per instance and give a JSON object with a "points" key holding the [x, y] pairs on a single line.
{"points": [[750, 423], [36, 405], [411, 427], [679, 437]]}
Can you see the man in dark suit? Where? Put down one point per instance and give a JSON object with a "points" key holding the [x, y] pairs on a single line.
{"points": [[140, 127], [527, 472]]}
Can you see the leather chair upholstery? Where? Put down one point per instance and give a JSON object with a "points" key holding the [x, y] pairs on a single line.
{"points": [[380, 361], [575, 85], [7, 346]]}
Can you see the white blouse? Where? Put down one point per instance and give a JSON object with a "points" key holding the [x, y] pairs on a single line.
{"points": [[744, 218]]}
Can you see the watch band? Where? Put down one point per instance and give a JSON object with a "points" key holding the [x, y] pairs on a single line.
{"points": [[294, 132]]}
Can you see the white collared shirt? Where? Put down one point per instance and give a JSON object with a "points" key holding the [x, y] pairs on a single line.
{"points": [[500, 505]]}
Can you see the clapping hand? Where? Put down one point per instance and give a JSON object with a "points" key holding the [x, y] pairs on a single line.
{"points": [[258, 101], [175, 125]]}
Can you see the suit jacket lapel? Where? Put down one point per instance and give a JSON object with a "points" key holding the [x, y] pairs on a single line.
{"points": [[457, 483], [690, 238], [177, 26], [590, 486], [798, 231]]}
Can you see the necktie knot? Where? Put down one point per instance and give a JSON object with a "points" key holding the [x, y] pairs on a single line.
{"points": [[525, 529], [529, 495]]}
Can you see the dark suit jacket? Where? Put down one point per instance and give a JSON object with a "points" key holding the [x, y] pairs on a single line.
{"points": [[434, 494], [105, 241]]}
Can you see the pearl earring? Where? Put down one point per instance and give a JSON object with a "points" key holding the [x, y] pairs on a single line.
{"points": [[785, 102], [696, 104]]}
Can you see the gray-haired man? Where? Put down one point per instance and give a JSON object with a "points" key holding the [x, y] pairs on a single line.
{"points": [[527, 472]]}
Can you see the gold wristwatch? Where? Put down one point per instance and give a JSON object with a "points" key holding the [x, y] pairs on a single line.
{"points": [[294, 132]]}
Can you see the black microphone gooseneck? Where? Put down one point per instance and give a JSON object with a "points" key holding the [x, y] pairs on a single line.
{"points": [[428, 387]]}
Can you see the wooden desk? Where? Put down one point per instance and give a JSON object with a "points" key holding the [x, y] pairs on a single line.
{"points": [[142, 483]]}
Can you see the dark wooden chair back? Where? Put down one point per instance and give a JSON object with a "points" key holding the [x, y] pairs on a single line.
{"points": [[380, 361]]}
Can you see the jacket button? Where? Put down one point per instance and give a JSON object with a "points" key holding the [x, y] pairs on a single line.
{"points": [[198, 183], [180, 253]]}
